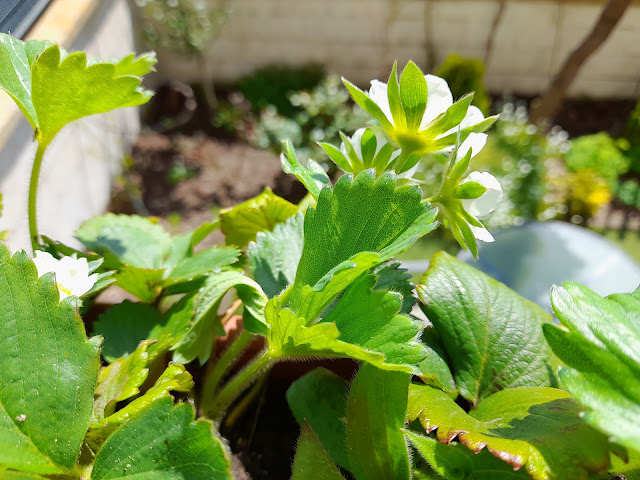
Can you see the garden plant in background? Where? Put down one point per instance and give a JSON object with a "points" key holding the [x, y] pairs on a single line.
{"points": [[474, 393]]}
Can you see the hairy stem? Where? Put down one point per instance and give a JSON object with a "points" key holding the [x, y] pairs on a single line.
{"points": [[212, 381], [221, 402], [33, 190]]}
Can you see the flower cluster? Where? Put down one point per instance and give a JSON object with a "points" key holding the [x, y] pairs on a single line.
{"points": [[418, 121]]}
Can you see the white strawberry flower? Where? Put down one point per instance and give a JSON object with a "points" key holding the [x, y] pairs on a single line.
{"points": [[72, 274], [489, 200]]}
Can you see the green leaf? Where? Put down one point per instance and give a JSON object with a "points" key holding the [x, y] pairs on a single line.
{"points": [[289, 337], [198, 340], [456, 462], [311, 461], [15, 72], [125, 240], [391, 276], [63, 91], [434, 370], [163, 443], [241, 223], [320, 399], [359, 215], [492, 336], [202, 263], [120, 381], [313, 176], [275, 255], [375, 417], [174, 378], [48, 369], [538, 428], [136, 66], [124, 326], [18, 451], [413, 94], [600, 342], [395, 101], [370, 319]]}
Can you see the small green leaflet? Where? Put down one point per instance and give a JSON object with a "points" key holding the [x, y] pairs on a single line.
{"points": [[599, 340], [313, 176]]}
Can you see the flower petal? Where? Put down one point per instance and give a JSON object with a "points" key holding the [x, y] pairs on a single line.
{"points": [[489, 200], [439, 99], [482, 234], [378, 93]]}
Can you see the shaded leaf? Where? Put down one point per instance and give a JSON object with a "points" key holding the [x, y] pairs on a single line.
{"points": [[124, 326], [48, 369], [375, 417], [311, 461], [492, 336], [202, 263], [393, 277], [599, 340], [125, 240], [163, 443], [434, 370], [241, 223], [275, 255], [319, 399], [538, 428]]}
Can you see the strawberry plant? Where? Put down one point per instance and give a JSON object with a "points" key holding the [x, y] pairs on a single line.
{"points": [[487, 387]]}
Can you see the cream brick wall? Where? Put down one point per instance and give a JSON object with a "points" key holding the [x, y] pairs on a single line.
{"points": [[360, 39]]}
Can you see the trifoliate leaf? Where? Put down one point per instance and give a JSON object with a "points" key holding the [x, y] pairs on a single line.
{"points": [[457, 462], [359, 215], [163, 442], [48, 370], [202, 263], [375, 417], [492, 336], [241, 223], [311, 461], [599, 340], [313, 176], [536, 428], [320, 399], [275, 255]]}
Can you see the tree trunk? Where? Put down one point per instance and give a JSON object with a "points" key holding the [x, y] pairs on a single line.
{"points": [[545, 106]]}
